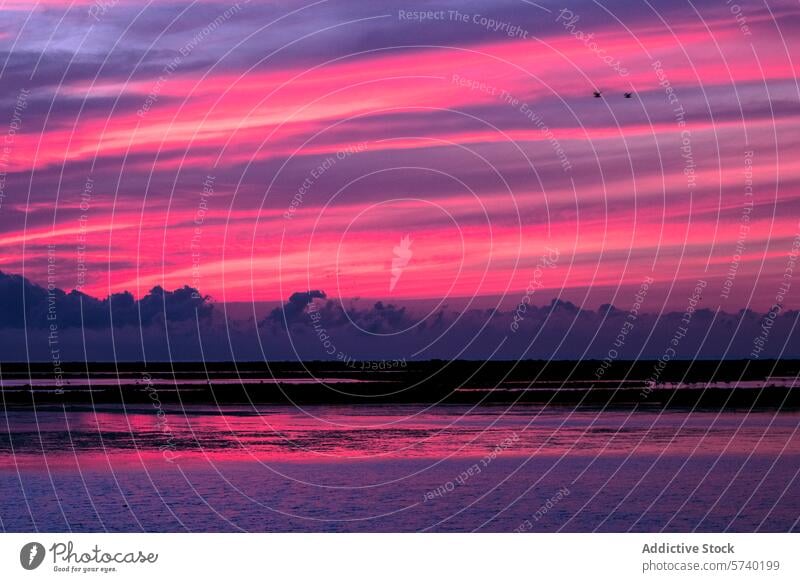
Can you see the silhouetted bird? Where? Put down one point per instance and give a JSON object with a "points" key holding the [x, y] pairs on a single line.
{"points": [[596, 94], [628, 95]]}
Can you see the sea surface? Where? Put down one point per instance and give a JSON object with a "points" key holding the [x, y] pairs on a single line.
{"points": [[396, 468]]}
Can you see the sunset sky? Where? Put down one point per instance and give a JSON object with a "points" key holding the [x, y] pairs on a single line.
{"points": [[252, 150]]}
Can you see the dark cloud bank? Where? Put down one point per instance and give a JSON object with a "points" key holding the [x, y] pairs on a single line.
{"points": [[182, 325]]}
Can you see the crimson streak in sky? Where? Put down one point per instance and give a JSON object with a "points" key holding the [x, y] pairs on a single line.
{"points": [[253, 150]]}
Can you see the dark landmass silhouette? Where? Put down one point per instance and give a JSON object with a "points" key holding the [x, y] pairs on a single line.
{"points": [[737, 384]]}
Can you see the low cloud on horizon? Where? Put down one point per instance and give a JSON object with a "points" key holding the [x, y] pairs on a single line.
{"points": [[182, 325]]}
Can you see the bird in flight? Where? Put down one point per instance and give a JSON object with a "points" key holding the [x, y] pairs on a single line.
{"points": [[628, 95], [596, 94]]}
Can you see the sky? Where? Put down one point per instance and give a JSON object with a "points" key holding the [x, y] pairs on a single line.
{"points": [[432, 153]]}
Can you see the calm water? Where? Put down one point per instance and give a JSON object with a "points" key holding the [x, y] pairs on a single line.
{"points": [[397, 468]]}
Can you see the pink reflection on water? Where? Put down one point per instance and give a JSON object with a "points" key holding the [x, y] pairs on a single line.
{"points": [[331, 434]]}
